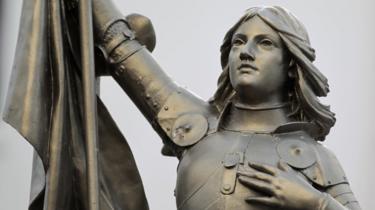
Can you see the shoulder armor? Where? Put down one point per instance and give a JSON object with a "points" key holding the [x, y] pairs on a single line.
{"points": [[312, 159], [327, 171], [185, 118], [296, 149]]}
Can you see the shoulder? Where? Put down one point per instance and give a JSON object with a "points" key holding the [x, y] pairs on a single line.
{"points": [[185, 118], [313, 160], [327, 171]]}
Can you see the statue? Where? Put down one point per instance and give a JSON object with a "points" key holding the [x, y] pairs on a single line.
{"points": [[254, 145]]}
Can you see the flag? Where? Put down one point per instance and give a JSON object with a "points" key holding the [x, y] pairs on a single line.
{"points": [[45, 106]]}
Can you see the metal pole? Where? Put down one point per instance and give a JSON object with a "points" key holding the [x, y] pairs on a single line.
{"points": [[89, 97]]}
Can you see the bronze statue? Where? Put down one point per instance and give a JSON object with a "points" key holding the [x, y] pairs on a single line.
{"points": [[254, 145]]}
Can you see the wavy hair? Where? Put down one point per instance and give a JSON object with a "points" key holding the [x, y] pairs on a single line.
{"points": [[307, 82]]}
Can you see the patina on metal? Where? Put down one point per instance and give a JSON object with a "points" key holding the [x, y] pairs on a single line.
{"points": [[255, 145]]}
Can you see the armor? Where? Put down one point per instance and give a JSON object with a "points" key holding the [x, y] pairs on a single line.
{"points": [[212, 156]]}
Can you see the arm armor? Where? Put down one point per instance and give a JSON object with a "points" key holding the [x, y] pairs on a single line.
{"points": [[329, 177], [178, 116], [321, 168]]}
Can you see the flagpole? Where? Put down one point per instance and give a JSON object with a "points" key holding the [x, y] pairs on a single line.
{"points": [[89, 97]]}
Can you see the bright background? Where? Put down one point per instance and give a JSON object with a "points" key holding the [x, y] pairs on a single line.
{"points": [[189, 34]]}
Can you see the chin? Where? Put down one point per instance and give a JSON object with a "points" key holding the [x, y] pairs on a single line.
{"points": [[246, 81], [244, 86]]}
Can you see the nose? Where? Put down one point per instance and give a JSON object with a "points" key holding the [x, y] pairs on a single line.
{"points": [[247, 53]]}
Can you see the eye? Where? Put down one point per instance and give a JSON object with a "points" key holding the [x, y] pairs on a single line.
{"points": [[266, 42], [237, 41]]}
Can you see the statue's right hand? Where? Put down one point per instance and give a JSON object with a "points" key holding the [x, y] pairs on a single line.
{"points": [[105, 14], [144, 30]]}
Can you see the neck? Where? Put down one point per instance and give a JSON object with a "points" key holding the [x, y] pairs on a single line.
{"points": [[259, 98], [260, 107], [251, 118]]}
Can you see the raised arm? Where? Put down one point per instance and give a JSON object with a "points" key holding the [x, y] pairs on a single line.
{"points": [[160, 100], [131, 64]]}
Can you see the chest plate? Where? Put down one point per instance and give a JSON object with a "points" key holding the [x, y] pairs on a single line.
{"points": [[207, 173]]}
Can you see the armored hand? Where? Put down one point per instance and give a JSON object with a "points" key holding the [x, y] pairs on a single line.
{"points": [[111, 28], [126, 43], [282, 189]]}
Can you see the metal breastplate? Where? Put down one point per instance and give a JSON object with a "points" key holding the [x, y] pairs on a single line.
{"points": [[207, 173]]}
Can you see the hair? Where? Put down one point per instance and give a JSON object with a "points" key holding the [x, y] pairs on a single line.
{"points": [[307, 83]]}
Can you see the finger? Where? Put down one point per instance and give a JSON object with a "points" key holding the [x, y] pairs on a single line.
{"points": [[284, 166], [264, 168], [267, 201], [257, 185], [257, 175]]}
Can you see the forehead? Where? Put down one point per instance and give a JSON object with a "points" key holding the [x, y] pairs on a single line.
{"points": [[256, 26]]}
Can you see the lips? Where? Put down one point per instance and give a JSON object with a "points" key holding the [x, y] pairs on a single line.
{"points": [[247, 68]]}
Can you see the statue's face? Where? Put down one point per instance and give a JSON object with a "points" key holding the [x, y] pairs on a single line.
{"points": [[258, 59]]}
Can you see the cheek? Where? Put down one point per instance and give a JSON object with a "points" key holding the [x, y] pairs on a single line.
{"points": [[232, 57], [273, 69], [272, 63], [232, 67], [232, 77]]}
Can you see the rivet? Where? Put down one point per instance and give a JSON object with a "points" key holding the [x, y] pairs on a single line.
{"points": [[155, 104], [166, 108], [297, 151], [148, 96], [226, 187], [168, 129], [122, 68]]}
